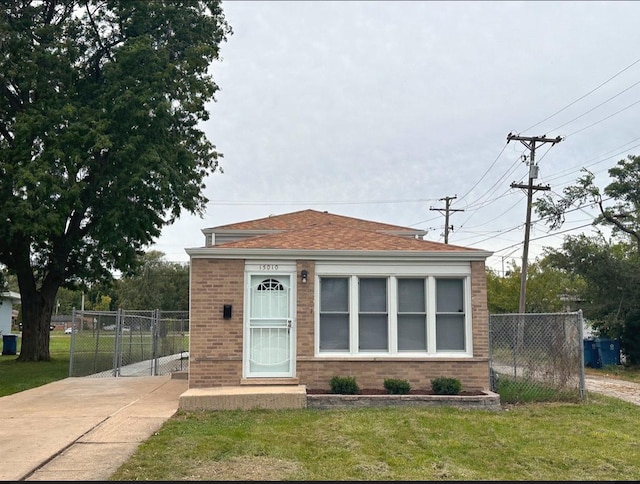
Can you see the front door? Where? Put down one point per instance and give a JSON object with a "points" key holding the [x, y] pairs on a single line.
{"points": [[270, 332]]}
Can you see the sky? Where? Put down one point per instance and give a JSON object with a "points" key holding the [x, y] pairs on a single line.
{"points": [[382, 110]]}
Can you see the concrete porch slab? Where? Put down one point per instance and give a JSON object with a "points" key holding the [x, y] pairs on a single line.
{"points": [[244, 398]]}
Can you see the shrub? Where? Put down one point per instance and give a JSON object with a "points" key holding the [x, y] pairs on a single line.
{"points": [[345, 385], [396, 386], [446, 386]]}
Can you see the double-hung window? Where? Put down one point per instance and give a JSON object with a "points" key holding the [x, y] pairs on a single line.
{"points": [[396, 315], [450, 315], [334, 314], [373, 317], [412, 315]]}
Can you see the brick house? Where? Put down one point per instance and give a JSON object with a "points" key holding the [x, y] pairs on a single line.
{"points": [[301, 297]]}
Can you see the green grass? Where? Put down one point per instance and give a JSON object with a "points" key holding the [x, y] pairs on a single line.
{"points": [[561, 441], [19, 376], [595, 440], [529, 391], [620, 372]]}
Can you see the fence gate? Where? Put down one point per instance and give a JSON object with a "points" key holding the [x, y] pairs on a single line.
{"points": [[129, 343], [538, 353]]}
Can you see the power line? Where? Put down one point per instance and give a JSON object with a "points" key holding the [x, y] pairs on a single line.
{"points": [[486, 172], [604, 119], [560, 232], [596, 107], [316, 202], [584, 95]]}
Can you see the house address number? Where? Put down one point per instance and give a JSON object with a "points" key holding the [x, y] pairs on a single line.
{"points": [[268, 267]]}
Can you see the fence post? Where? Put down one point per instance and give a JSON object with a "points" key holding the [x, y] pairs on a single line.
{"points": [[154, 342], [583, 384], [71, 348], [116, 353]]}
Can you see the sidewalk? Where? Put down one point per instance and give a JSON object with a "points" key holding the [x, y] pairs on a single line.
{"points": [[81, 429]]}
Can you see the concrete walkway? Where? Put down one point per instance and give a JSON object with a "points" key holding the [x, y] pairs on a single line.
{"points": [[82, 429]]}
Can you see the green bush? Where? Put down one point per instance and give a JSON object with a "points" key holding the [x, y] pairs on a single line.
{"points": [[446, 386], [396, 386], [345, 385]]}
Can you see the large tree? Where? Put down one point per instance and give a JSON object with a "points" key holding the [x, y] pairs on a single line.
{"points": [[622, 214], [155, 284], [548, 288], [610, 268], [611, 275], [100, 147]]}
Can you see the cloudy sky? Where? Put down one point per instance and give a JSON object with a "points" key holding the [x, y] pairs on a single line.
{"points": [[380, 110]]}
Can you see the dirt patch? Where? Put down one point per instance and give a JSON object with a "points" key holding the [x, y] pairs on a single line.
{"points": [[245, 468]]}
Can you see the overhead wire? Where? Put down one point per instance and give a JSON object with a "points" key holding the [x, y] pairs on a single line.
{"points": [[486, 172], [596, 107], [603, 119], [584, 95]]}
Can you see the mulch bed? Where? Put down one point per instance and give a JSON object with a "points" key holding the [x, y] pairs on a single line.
{"points": [[382, 391]]}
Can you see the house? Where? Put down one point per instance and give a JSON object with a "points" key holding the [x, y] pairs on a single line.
{"points": [[298, 298], [7, 301]]}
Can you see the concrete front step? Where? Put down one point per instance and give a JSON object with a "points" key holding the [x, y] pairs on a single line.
{"points": [[248, 397]]}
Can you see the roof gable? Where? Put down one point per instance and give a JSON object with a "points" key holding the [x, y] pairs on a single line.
{"points": [[324, 235], [308, 218], [331, 236]]}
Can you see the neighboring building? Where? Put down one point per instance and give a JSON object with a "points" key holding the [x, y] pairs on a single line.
{"points": [[7, 300], [302, 297]]}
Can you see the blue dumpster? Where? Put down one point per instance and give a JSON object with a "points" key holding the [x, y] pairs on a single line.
{"points": [[9, 344], [591, 355], [608, 351]]}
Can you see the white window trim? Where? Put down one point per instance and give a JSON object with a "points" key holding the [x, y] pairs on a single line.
{"points": [[392, 273]]}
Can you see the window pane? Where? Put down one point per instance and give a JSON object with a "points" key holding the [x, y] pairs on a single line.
{"points": [[449, 332], [334, 294], [412, 332], [411, 295], [449, 295], [373, 295], [334, 332], [372, 332]]}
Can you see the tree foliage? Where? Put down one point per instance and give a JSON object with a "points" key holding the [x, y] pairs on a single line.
{"points": [[611, 275], [156, 284], [548, 288], [610, 268], [100, 148], [623, 215]]}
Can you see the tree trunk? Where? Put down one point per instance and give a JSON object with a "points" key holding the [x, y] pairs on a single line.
{"points": [[36, 318], [37, 308]]}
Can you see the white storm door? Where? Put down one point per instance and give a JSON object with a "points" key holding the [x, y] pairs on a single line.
{"points": [[270, 332]]}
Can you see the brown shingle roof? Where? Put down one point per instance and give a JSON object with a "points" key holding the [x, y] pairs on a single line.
{"points": [[308, 218], [332, 236]]}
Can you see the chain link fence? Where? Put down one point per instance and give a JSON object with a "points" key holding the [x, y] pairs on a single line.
{"points": [[537, 357], [129, 343]]}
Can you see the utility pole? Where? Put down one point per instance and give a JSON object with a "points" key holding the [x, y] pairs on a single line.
{"points": [[447, 209], [530, 142]]}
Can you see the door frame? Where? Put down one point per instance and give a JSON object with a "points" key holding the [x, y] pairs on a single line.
{"points": [[269, 269]]}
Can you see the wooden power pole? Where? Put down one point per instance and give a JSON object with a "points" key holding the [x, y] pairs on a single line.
{"points": [[447, 209], [530, 142]]}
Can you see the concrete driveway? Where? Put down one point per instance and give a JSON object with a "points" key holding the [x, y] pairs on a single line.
{"points": [[80, 429]]}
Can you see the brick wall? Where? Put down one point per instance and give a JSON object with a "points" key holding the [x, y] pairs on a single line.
{"points": [[371, 373], [216, 344]]}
